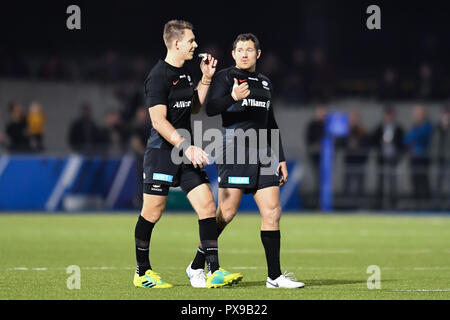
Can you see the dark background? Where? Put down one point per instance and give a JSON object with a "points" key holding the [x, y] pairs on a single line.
{"points": [[411, 30]]}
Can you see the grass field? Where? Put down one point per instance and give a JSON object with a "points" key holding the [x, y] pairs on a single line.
{"points": [[330, 253]]}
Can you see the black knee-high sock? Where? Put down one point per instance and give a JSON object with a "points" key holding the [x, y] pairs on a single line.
{"points": [[208, 241], [199, 260], [142, 235], [271, 243]]}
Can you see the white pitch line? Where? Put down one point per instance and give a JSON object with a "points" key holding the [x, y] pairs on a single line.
{"points": [[238, 267], [313, 251], [424, 290]]}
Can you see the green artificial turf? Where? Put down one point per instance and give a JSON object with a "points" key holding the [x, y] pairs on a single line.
{"points": [[330, 253]]}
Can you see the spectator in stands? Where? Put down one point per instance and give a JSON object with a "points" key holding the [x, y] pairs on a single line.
{"points": [[389, 88], [83, 132], [36, 123], [139, 135], [295, 84], [356, 146], [314, 134], [441, 150], [322, 76], [12, 64], [112, 69], [112, 138], [17, 129], [3, 141], [387, 138], [131, 98], [418, 141], [53, 69], [272, 67], [426, 86]]}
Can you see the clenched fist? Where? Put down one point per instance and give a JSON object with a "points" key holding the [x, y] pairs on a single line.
{"points": [[240, 91]]}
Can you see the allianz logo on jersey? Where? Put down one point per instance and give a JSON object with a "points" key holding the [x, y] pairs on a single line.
{"points": [[256, 103], [182, 104]]}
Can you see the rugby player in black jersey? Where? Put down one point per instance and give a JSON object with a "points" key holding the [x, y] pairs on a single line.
{"points": [[243, 98], [171, 98]]}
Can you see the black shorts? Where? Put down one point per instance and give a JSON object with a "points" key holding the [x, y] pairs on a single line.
{"points": [[160, 173], [249, 178]]}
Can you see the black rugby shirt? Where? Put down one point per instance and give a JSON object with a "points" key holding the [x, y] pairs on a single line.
{"points": [[253, 112], [173, 87]]}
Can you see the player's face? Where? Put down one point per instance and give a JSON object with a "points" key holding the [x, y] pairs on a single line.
{"points": [[187, 45], [246, 55]]}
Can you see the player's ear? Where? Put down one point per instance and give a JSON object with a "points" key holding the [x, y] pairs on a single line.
{"points": [[258, 54]]}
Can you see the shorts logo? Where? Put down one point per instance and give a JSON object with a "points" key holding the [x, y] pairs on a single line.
{"points": [[265, 83], [162, 177], [238, 180], [156, 187]]}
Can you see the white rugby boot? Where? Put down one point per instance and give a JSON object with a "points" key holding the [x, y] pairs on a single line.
{"points": [[197, 277], [286, 281]]}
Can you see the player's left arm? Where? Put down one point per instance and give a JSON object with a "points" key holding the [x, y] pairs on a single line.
{"points": [[282, 166], [208, 68]]}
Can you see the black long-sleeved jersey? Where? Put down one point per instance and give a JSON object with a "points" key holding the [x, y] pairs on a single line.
{"points": [[253, 112]]}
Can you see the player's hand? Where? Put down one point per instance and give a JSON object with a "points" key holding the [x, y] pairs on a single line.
{"points": [[282, 173], [197, 156], [208, 66], [240, 91]]}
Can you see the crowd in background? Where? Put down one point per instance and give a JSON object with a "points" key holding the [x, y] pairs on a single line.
{"points": [[422, 144], [25, 129], [301, 76]]}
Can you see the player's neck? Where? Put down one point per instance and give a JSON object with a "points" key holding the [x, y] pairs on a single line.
{"points": [[251, 69], [173, 60]]}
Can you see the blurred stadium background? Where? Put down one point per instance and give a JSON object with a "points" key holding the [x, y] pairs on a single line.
{"points": [[73, 128], [73, 125]]}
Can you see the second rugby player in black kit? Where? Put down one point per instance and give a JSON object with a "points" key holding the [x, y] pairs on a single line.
{"points": [[171, 98], [243, 98]]}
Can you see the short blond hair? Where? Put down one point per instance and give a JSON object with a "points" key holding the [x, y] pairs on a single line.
{"points": [[174, 29]]}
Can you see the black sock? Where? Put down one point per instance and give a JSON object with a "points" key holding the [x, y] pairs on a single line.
{"points": [[271, 243], [142, 235], [199, 260], [208, 241]]}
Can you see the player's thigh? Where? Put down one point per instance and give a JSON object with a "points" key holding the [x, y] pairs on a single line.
{"points": [[229, 200], [202, 200], [153, 206], [268, 202]]}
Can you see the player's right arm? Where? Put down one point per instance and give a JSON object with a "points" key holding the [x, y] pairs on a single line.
{"points": [[156, 94], [158, 116], [223, 94]]}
